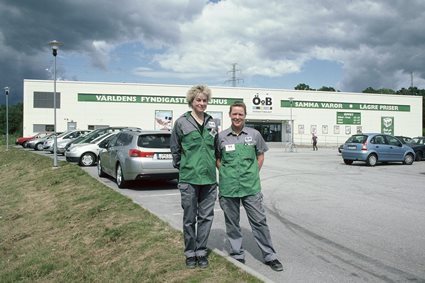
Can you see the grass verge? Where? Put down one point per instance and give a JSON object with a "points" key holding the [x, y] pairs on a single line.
{"points": [[61, 225]]}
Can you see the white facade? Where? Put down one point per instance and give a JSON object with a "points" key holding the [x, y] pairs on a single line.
{"points": [[333, 116]]}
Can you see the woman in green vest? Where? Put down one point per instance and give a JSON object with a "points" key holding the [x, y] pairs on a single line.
{"points": [[192, 145]]}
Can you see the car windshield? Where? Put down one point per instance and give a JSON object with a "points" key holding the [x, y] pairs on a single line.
{"points": [[64, 134], [100, 138], [90, 137], [357, 139], [154, 141], [418, 140]]}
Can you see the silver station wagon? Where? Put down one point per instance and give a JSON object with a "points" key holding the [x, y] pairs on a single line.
{"points": [[136, 155]]}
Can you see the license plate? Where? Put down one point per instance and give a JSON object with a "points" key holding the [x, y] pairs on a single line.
{"points": [[164, 156], [351, 147]]}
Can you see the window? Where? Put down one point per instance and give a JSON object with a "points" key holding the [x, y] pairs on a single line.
{"points": [[37, 128], [45, 99], [94, 127], [154, 141], [377, 140], [124, 139], [357, 139], [393, 141]]}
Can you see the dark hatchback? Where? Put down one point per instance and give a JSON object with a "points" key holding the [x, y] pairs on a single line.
{"points": [[417, 144]]}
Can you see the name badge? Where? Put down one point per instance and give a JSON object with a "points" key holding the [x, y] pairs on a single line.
{"points": [[211, 124], [230, 147], [213, 132], [248, 139]]}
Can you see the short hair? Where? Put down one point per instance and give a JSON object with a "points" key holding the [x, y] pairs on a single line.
{"points": [[238, 104], [195, 90]]}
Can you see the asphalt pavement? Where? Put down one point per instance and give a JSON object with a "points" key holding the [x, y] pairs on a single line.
{"points": [[330, 222]]}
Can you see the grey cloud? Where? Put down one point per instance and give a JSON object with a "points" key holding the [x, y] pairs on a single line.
{"points": [[376, 42], [26, 27]]}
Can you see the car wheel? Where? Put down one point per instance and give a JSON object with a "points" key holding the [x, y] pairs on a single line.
{"points": [[100, 172], [408, 159], [371, 160], [24, 144], [348, 162], [419, 156], [38, 147], [120, 177], [87, 159]]}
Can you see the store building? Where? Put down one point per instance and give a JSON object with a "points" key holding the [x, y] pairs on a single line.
{"points": [[333, 116]]}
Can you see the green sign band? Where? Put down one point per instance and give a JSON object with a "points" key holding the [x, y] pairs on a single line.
{"points": [[118, 98], [343, 105]]}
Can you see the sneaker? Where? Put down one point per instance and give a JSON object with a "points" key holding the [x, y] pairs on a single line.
{"points": [[241, 260], [191, 262], [275, 265], [202, 261]]}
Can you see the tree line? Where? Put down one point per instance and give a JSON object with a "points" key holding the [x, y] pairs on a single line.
{"points": [[15, 119]]}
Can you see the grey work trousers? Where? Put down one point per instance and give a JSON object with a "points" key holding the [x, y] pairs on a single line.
{"points": [[198, 213], [257, 219]]}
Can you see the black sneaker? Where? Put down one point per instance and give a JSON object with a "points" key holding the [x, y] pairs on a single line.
{"points": [[202, 261], [191, 262], [241, 260], [275, 265]]}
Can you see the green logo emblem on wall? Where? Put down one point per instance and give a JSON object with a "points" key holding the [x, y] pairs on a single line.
{"points": [[387, 125]]}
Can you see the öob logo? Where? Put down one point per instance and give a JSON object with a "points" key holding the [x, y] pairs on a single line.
{"points": [[262, 103]]}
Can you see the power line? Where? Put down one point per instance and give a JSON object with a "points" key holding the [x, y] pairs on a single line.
{"points": [[234, 78]]}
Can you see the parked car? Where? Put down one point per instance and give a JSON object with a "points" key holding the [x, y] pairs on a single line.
{"points": [[94, 135], [69, 135], [404, 139], [23, 141], [418, 145], [418, 140], [37, 144], [86, 154], [376, 147], [135, 154]]}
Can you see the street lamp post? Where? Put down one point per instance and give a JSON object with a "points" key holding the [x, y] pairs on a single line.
{"points": [[55, 46], [291, 99], [6, 90]]}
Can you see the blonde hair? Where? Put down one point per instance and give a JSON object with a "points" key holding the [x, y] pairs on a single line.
{"points": [[196, 90]]}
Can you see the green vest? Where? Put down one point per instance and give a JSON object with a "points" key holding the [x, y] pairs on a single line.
{"points": [[239, 175], [197, 164]]}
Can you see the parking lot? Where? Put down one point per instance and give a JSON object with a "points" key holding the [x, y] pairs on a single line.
{"points": [[330, 222]]}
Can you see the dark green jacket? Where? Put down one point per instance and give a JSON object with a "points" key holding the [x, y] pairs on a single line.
{"points": [[193, 150]]}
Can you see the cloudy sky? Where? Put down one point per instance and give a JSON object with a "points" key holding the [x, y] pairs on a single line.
{"points": [[347, 44]]}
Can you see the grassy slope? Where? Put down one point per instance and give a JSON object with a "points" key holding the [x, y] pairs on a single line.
{"points": [[61, 225]]}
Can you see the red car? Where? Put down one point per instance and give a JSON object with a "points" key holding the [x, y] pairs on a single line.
{"points": [[24, 140]]}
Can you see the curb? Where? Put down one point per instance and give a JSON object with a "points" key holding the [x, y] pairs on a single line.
{"points": [[243, 266]]}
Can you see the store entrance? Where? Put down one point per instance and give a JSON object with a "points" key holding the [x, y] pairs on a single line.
{"points": [[270, 130]]}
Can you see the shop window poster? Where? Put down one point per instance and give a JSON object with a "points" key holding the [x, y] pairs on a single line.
{"points": [[348, 130], [336, 129], [313, 129], [163, 120], [359, 130], [301, 129], [325, 129]]}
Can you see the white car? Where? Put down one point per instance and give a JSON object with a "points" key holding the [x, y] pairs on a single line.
{"points": [[86, 154], [37, 144], [68, 136]]}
